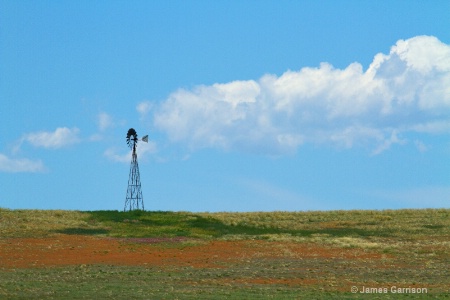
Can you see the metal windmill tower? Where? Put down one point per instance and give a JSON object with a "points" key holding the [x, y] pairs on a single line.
{"points": [[134, 199]]}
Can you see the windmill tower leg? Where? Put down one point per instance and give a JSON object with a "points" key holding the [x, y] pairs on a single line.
{"points": [[134, 199]]}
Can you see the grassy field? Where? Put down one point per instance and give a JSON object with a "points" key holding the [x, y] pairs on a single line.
{"points": [[259, 255]]}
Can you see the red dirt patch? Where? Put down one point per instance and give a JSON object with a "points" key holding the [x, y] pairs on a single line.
{"points": [[63, 250]]}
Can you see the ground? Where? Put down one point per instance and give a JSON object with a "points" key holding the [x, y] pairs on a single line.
{"points": [[79, 263]]}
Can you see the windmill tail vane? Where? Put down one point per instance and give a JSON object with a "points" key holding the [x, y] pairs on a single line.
{"points": [[134, 199]]}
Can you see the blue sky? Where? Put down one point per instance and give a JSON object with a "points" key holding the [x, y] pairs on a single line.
{"points": [[249, 105]]}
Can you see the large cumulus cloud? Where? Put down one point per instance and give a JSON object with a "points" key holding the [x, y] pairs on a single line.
{"points": [[403, 92]]}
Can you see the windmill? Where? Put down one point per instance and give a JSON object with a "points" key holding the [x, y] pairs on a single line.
{"points": [[134, 199]]}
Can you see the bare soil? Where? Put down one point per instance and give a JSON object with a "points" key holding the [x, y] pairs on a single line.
{"points": [[65, 250]]}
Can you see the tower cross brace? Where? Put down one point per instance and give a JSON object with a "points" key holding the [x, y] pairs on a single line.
{"points": [[134, 199]]}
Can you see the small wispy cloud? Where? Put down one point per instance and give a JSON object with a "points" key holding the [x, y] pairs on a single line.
{"points": [[420, 146], [111, 154], [14, 165], [142, 151], [59, 138], [104, 121], [401, 93], [144, 108], [388, 142], [274, 197], [416, 197]]}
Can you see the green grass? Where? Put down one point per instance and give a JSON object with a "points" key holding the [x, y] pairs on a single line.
{"points": [[110, 282], [390, 231], [416, 244], [125, 282], [400, 224]]}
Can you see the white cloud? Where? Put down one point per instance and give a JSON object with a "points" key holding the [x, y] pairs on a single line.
{"points": [[406, 91], [61, 137], [11, 165]]}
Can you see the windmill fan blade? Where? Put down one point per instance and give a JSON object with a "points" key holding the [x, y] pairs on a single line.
{"points": [[145, 139]]}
